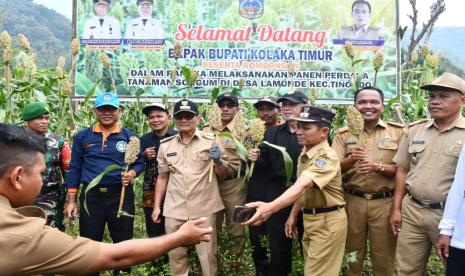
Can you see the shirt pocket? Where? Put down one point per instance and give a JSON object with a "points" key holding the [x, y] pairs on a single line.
{"points": [[416, 152], [201, 160], [452, 152], [388, 149]]}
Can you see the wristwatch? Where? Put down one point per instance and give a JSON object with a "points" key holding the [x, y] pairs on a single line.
{"points": [[381, 167]]}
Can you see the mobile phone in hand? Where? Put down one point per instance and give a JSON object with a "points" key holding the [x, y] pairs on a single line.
{"points": [[243, 213]]}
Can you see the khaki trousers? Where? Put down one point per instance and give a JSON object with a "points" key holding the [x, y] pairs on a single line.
{"points": [[324, 241], [369, 219], [233, 192], [418, 233], [206, 251]]}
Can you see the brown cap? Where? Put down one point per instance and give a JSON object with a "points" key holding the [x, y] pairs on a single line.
{"points": [[448, 81]]}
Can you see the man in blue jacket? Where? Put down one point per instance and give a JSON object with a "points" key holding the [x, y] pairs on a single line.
{"points": [[95, 148]]}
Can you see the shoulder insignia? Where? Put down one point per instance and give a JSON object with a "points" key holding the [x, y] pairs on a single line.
{"points": [[208, 135], [342, 130], [418, 122], [167, 139], [396, 124]]}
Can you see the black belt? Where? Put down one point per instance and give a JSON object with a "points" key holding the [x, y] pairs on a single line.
{"points": [[370, 196], [314, 211], [428, 204]]}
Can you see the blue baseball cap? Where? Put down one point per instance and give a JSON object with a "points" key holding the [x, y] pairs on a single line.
{"points": [[107, 98]]}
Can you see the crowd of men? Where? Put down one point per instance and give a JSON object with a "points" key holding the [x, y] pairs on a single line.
{"points": [[386, 188]]}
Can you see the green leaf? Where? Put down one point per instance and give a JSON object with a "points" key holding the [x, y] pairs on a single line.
{"points": [[91, 91], [287, 160], [187, 73], [240, 149], [96, 181]]}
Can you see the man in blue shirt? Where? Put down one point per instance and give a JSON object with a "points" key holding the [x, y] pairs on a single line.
{"points": [[95, 148]]}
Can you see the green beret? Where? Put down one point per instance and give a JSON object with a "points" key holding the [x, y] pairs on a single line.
{"points": [[33, 110]]}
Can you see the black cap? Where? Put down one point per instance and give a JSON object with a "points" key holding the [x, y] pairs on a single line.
{"points": [[185, 105], [144, 1], [266, 100], [227, 96], [100, 1], [311, 114], [294, 96], [155, 106]]}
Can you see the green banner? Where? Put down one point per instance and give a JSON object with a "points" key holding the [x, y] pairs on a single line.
{"points": [[268, 46]]}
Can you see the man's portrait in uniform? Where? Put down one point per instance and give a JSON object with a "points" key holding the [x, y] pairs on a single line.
{"points": [[144, 26], [361, 29], [102, 25]]}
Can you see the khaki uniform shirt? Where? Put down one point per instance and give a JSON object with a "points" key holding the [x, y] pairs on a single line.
{"points": [[364, 33], [380, 147], [431, 157], [228, 147], [28, 246], [321, 164], [189, 195]]}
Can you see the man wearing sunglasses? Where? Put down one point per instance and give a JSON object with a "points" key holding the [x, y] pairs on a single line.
{"points": [[183, 183], [94, 149]]}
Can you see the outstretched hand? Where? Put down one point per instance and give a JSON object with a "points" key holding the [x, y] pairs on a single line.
{"points": [[192, 233]]}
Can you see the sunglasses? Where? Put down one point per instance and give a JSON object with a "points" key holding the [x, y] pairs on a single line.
{"points": [[185, 115], [227, 104]]}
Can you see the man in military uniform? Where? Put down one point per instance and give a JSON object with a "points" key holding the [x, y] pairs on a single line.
{"points": [[144, 26], [268, 111], [269, 178], [101, 26], [319, 187], [159, 118], [30, 248], [426, 161], [53, 193], [232, 188], [94, 150], [183, 167], [368, 180], [361, 30]]}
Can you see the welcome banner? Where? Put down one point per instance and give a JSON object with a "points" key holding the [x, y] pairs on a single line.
{"points": [[266, 46]]}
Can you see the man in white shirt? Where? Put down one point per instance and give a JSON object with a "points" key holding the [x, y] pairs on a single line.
{"points": [[101, 26], [144, 26], [452, 224]]}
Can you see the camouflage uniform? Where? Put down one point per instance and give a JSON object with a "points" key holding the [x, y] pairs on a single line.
{"points": [[53, 193]]}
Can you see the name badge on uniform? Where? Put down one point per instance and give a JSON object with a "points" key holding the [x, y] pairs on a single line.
{"points": [[320, 163], [171, 154], [351, 142], [418, 142]]}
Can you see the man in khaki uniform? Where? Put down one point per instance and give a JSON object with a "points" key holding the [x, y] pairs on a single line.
{"points": [[184, 166], [30, 247], [361, 30], [319, 187], [232, 188], [368, 180], [427, 159]]}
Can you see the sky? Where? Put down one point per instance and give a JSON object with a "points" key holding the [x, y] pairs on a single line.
{"points": [[453, 16]]}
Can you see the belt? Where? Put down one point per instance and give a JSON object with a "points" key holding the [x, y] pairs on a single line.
{"points": [[370, 196], [314, 211], [427, 204]]}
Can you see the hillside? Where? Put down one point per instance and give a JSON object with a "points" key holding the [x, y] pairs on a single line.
{"points": [[48, 31], [448, 41]]}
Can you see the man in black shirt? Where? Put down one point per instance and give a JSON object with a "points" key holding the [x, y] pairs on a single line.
{"points": [[159, 118], [269, 181]]}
